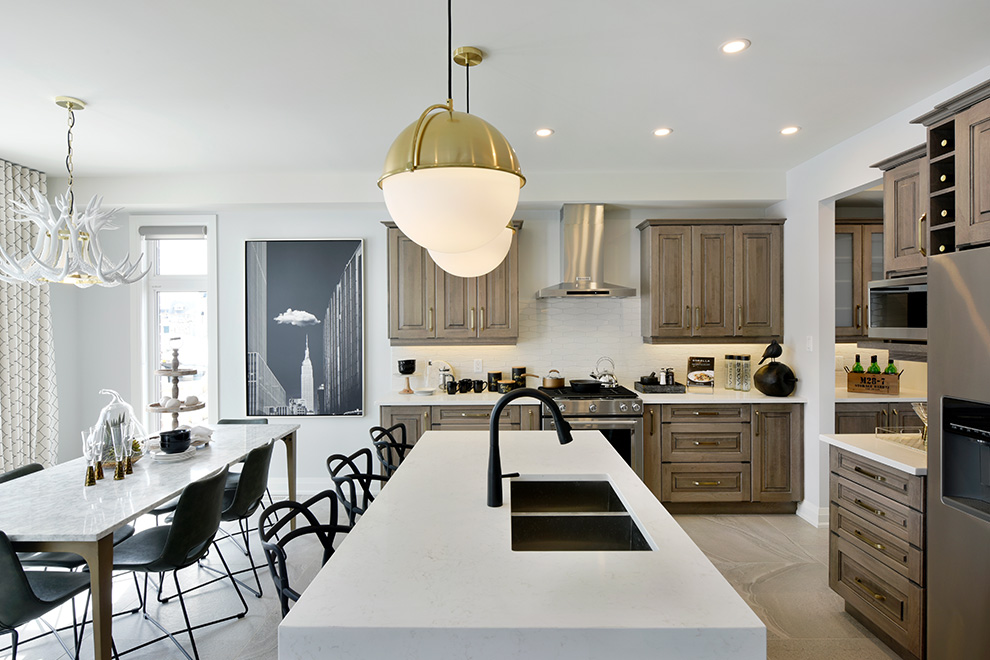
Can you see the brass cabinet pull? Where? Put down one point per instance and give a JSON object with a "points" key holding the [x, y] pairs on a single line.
{"points": [[430, 328], [860, 503], [707, 483], [426, 415], [877, 477], [865, 588], [687, 315], [531, 418], [869, 541], [484, 415], [884, 413], [896, 414], [653, 422], [707, 443], [859, 316], [921, 238], [740, 315], [471, 320], [866, 316], [697, 317], [481, 326], [706, 413], [756, 432]]}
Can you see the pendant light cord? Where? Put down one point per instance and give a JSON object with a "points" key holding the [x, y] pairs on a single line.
{"points": [[68, 157], [467, 89], [450, 49]]}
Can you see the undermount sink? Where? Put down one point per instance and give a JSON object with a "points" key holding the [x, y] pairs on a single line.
{"points": [[572, 496], [571, 515]]}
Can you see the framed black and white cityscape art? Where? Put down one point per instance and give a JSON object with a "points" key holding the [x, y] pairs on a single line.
{"points": [[305, 327]]}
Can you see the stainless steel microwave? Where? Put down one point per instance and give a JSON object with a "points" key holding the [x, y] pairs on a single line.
{"points": [[899, 309]]}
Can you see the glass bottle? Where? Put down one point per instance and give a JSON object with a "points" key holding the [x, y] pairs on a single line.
{"points": [[730, 372], [746, 367], [857, 368], [891, 369], [874, 368]]}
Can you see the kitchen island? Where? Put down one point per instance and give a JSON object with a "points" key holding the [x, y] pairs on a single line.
{"points": [[429, 571]]}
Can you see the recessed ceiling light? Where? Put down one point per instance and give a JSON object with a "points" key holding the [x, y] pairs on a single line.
{"points": [[544, 132], [790, 130], [661, 132], [735, 46]]}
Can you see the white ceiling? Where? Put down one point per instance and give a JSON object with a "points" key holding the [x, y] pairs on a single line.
{"points": [[185, 87]]}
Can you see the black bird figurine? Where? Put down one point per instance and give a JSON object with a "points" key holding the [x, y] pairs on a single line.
{"points": [[773, 351]]}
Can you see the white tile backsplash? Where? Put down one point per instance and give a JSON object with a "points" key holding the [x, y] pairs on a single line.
{"points": [[571, 335]]}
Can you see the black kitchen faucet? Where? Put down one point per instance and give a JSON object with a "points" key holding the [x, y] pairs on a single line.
{"points": [[494, 460]]}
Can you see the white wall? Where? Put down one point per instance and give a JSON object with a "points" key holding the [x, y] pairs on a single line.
{"points": [[809, 246]]}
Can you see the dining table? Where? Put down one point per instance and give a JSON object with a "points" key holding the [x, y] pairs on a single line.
{"points": [[52, 510]]}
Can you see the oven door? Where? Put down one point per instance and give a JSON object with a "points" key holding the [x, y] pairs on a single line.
{"points": [[623, 433]]}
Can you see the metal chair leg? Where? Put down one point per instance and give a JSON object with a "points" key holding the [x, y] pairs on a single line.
{"points": [[185, 614]]}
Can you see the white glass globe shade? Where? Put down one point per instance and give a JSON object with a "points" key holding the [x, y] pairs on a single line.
{"points": [[451, 209], [477, 262]]}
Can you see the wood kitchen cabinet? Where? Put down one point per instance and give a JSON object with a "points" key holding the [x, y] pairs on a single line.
{"points": [[972, 128], [859, 256], [725, 457], [711, 280], [427, 305], [867, 417], [418, 420], [905, 211]]}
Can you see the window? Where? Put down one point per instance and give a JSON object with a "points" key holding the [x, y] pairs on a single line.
{"points": [[177, 323]]}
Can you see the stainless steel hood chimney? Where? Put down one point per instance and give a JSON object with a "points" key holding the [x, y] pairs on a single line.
{"points": [[582, 256]]}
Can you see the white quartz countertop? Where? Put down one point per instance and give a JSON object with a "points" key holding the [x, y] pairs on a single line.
{"points": [[428, 572], [889, 453], [693, 395], [906, 396]]}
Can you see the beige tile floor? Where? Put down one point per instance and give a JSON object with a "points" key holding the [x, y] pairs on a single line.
{"points": [[778, 564]]}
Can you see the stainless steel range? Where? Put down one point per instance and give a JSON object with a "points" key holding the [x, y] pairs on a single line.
{"points": [[615, 411]]}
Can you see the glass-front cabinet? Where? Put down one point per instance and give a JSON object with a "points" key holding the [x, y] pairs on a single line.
{"points": [[858, 260]]}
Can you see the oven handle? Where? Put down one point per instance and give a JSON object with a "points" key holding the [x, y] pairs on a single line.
{"points": [[596, 423]]}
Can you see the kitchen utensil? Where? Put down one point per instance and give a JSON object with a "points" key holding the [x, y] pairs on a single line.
{"points": [[553, 382], [493, 378], [451, 387], [407, 367], [479, 386], [464, 385], [586, 385], [606, 375], [505, 386], [650, 380]]}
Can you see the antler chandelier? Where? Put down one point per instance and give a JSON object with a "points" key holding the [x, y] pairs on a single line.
{"points": [[67, 243]]}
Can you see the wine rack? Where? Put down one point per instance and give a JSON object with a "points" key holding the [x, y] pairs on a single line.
{"points": [[942, 187]]}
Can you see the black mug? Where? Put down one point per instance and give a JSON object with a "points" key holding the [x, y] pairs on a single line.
{"points": [[451, 387], [479, 386], [465, 385]]}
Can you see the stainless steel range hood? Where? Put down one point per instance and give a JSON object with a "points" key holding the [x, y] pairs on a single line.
{"points": [[582, 256]]}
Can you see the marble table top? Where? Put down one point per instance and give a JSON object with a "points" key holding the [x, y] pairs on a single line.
{"points": [[55, 505]]}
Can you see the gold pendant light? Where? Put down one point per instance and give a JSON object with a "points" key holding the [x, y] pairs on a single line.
{"points": [[451, 180]]}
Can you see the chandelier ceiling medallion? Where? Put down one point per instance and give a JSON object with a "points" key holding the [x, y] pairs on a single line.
{"points": [[67, 243], [451, 180]]}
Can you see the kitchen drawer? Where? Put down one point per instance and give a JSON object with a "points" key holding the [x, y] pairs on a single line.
{"points": [[899, 486], [705, 482], [894, 552], [714, 443], [901, 521], [472, 416], [705, 413], [889, 600]]}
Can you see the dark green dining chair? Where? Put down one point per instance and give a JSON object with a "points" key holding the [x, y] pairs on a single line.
{"points": [[28, 595]]}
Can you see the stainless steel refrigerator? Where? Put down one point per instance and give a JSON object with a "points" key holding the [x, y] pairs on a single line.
{"points": [[958, 512]]}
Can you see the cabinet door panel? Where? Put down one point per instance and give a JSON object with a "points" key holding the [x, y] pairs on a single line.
{"points": [[778, 453], [667, 309], [712, 290], [859, 417], [498, 299], [652, 473], [412, 301], [457, 306], [905, 196], [416, 418], [973, 180], [759, 286], [848, 288]]}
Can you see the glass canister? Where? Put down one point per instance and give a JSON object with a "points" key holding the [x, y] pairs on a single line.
{"points": [[747, 379], [737, 373], [730, 372]]}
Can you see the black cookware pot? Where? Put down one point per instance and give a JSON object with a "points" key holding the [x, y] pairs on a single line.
{"points": [[586, 385]]}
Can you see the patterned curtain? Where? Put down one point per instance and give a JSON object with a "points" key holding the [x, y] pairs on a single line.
{"points": [[28, 402]]}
